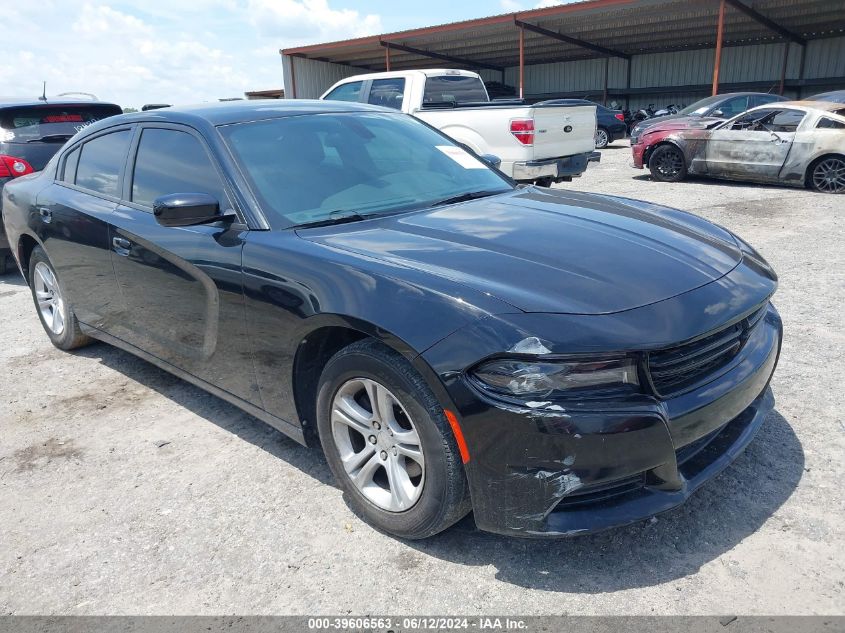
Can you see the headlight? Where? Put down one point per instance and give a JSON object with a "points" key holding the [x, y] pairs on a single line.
{"points": [[534, 379]]}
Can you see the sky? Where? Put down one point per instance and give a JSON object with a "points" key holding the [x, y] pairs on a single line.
{"points": [[133, 52]]}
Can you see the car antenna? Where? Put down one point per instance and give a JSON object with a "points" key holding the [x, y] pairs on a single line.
{"points": [[43, 96]]}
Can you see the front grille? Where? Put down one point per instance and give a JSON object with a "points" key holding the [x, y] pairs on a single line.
{"points": [[681, 367]]}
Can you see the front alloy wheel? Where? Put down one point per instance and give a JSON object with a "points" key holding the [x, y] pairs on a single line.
{"points": [[667, 164], [829, 175], [388, 443], [378, 444]]}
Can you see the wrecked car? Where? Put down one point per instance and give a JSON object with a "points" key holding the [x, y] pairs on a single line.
{"points": [[798, 143], [555, 362]]}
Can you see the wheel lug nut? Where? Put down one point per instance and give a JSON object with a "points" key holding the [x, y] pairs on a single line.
{"points": [[383, 454], [372, 439], [395, 452], [376, 426]]}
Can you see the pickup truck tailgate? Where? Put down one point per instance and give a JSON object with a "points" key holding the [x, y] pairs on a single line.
{"points": [[552, 139]]}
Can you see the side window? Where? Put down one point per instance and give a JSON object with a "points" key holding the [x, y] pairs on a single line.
{"points": [[830, 124], [732, 107], [170, 161], [72, 160], [99, 163], [346, 92], [752, 120], [387, 93], [787, 120]]}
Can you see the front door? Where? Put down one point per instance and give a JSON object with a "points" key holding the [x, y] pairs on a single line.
{"points": [[182, 285], [753, 146]]}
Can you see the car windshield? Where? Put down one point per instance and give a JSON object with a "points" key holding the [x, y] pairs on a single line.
{"points": [[702, 106], [50, 123], [320, 167]]}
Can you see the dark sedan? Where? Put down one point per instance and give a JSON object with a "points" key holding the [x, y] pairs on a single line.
{"points": [[724, 106], [556, 362], [610, 124], [32, 130]]}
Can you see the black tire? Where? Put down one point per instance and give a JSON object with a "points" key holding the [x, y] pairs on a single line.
{"points": [[4, 263], [444, 498], [827, 174], [71, 336], [667, 164], [602, 138]]}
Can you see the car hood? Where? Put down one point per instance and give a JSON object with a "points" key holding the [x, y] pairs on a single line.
{"points": [[680, 123], [544, 250]]}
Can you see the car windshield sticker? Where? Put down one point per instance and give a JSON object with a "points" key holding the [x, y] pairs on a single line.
{"points": [[461, 157]]}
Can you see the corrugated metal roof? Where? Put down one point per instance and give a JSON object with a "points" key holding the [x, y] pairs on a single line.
{"points": [[625, 26]]}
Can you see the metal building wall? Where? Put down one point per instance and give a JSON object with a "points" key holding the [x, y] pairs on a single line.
{"points": [[313, 77], [753, 63]]}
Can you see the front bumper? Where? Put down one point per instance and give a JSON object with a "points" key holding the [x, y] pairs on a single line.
{"points": [[552, 472], [638, 153], [555, 168]]}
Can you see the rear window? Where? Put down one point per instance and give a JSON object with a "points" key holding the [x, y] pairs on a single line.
{"points": [[51, 122], [99, 165], [454, 89]]}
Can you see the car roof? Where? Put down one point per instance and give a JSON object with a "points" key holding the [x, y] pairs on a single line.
{"points": [[14, 102], [228, 112], [828, 106]]}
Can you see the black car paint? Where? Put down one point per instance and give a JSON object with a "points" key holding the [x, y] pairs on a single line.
{"points": [[232, 307]]}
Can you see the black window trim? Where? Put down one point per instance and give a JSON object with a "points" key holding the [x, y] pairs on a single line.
{"points": [[57, 179], [132, 157]]}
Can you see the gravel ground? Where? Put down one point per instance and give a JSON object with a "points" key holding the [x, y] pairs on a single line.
{"points": [[124, 490]]}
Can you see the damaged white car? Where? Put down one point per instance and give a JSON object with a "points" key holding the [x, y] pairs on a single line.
{"points": [[797, 143]]}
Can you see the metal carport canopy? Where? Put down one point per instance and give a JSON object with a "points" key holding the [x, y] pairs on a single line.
{"points": [[583, 30]]}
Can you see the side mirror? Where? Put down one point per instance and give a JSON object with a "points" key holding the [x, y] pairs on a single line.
{"points": [[717, 113], [187, 209], [492, 160]]}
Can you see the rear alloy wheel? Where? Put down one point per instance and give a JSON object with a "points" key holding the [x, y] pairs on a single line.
{"points": [[602, 138], [388, 443], [828, 175], [55, 313], [667, 164]]}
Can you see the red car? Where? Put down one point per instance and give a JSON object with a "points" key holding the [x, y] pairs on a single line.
{"points": [[651, 137]]}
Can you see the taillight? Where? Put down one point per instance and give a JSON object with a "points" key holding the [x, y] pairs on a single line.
{"points": [[11, 167], [523, 130], [620, 116]]}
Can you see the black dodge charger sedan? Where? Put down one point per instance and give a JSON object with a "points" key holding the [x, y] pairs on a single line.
{"points": [[556, 362]]}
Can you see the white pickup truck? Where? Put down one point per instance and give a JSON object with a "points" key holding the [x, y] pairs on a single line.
{"points": [[540, 143]]}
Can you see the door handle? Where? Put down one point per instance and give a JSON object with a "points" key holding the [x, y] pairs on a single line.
{"points": [[121, 246], [46, 214]]}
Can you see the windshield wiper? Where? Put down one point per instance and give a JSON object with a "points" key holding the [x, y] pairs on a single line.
{"points": [[334, 218], [470, 195], [51, 138]]}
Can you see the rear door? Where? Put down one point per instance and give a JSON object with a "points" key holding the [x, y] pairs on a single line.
{"points": [[182, 285], [74, 214], [754, 145]]}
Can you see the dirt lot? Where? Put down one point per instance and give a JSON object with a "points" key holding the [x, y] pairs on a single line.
{"points": [[125, 490]]}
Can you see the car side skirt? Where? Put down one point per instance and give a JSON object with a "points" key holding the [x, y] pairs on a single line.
{"points": [[292, 431]]}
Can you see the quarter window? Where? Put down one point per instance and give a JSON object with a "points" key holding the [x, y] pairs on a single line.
{"points": [[830, 124], [346, 92], [72, 160], [170, 161], [100, 162]]}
